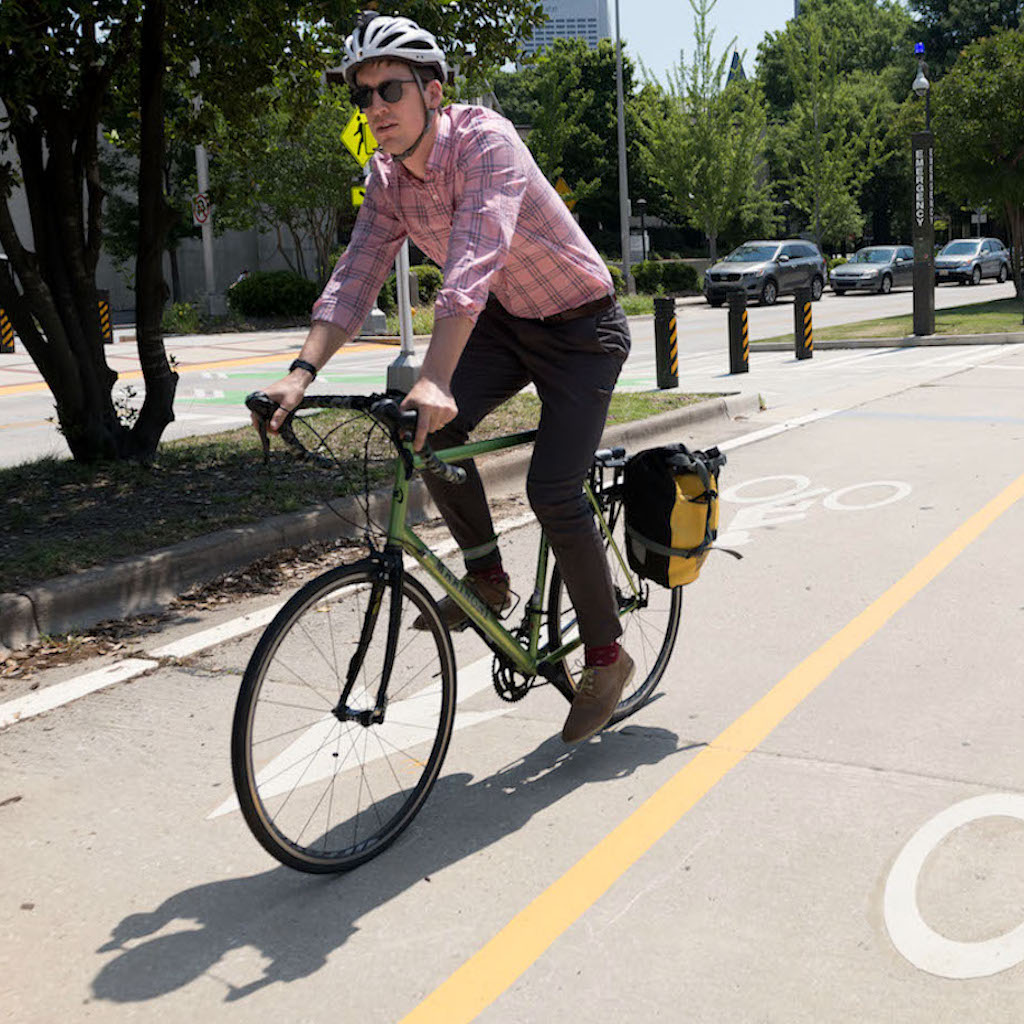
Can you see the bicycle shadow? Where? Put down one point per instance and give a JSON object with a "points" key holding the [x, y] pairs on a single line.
{"points": [[295, 921]]}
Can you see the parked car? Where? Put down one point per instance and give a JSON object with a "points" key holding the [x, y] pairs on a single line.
{"points": [[968, 260], [764, 270], [879, 268]]}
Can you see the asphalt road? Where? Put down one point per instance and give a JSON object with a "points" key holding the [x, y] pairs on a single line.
{"points": [[218, 371], [819, 818]]}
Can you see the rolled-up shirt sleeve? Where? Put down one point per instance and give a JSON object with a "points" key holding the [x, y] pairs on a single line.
{"points": [[363, 267], [494, 173]]}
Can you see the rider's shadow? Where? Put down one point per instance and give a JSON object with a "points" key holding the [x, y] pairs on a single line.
{"points": [[296, 920]]}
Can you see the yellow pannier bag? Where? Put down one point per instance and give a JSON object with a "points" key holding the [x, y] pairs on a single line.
{"points": [[671, 500]]}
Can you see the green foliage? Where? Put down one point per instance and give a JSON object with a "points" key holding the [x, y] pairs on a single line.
{"points": [[429, 279], [832, 138], [703, 141], [664, 277], [273, 293], [947, 26], [617, 279], [835, 261], [647, 276], [874, 37], [978, 119], [181, 318], [677, 278]]}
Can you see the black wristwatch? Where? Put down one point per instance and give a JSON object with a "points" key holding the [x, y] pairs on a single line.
{"points": [[301, 364]]}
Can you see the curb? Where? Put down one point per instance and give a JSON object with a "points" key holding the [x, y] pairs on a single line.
{"points": [[146, 583]]}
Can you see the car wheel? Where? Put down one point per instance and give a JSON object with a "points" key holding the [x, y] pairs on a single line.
{"points": [[976, 275], [716, 302], [1003, 273], [769, 293], [885, 285], [817, 287], [839, 291]]}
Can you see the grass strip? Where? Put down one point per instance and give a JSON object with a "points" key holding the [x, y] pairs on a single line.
{"points": [[1001, 316], [60, 516]]}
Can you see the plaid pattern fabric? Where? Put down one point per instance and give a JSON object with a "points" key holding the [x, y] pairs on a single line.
{"points": [[484, 213]]}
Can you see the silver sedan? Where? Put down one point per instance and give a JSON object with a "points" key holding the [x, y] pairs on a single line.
{"points": [[878, 268]]}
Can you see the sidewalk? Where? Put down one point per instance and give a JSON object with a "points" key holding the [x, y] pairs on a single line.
{"points": [[145, 583]]}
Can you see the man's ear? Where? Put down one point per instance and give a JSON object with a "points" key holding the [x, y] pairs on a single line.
{"points": [[435, 94]]}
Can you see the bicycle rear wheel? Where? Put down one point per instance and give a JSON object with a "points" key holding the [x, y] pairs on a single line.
{"points": [[322, 793], [649, 629]]}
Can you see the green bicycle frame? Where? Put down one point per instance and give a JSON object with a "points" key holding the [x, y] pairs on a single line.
{"points": [[531, 659]]}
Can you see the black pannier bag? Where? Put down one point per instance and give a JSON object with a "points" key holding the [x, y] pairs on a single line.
{"points": [[671, 500]]}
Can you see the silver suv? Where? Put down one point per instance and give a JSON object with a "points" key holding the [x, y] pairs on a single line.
{"points": [[970, 259], [764, 270]]}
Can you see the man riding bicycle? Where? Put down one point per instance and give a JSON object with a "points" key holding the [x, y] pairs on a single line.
{"points": [[525, 299]]}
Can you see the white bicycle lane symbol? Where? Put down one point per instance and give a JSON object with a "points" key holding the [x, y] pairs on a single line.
{"points": [[788, 497]]}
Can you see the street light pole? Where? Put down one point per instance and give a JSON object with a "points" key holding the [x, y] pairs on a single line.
{"points": [[641, 205], [923, 149], [627, 277]]}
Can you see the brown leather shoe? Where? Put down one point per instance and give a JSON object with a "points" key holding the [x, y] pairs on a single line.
{"points": [[599, 691], [494, 594]]}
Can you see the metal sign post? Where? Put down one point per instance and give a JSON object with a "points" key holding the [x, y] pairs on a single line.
{"points": [[405, 370]]}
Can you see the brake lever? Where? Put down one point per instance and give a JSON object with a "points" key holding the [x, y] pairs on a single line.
{"points": [[263, 407]]}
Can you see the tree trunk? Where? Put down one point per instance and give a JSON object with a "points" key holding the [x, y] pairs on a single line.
{"points": [[56, 311], [161, 381]]}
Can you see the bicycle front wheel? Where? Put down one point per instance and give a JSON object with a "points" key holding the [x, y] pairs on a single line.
{"points": [[322, 792], [650, 618]]}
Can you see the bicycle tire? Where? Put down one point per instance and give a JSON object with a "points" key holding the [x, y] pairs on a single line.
{"points": [[649, 633], [287, 742]]}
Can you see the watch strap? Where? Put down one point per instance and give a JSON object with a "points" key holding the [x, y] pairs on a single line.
{"points": [[301, 364]]}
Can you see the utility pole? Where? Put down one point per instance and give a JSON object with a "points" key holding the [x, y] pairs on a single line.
{"points": [[623, 180]]}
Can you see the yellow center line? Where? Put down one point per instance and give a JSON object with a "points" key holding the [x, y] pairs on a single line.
{"points": [[486, 975], [19, 389]]}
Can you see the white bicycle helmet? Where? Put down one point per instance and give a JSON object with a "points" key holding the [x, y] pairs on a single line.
{"points": [[379, 36]]}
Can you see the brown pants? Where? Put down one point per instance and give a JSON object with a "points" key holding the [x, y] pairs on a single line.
{"points": [[574, 367]]}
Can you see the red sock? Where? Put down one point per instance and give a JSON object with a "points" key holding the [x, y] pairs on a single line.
{"points": [[495, 574], [599, 657]]}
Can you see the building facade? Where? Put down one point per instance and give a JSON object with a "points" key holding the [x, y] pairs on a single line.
{"points": [[571, 19]]}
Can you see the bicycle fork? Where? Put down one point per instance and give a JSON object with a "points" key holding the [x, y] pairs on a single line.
{"points": [[389, 571]]}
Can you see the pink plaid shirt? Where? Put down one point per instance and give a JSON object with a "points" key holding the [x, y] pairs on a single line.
{"points": [[484, 213]]}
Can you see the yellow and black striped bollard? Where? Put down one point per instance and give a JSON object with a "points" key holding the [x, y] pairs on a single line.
{"points": [[803, 334], [739, 337], [105, 328], [6, 333], [666, 342]]}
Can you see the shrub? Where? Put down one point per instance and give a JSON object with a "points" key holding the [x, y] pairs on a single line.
{"points": [[617, 279], [678, 277], [273, 293], [181, 318], [430, 280], [648, 276], [387, 298], [836, 261]]}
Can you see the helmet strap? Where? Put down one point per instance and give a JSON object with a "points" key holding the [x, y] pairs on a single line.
{"points": [[429, 114]]}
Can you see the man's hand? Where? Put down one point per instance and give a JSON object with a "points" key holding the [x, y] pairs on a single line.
{"points": [[287, 392], [323, 341], [435, 406]]}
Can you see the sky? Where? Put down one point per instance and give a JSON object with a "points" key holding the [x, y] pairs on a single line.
{"points": [[656, 30]]}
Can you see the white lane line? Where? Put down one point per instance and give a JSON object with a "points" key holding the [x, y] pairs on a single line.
{"points": [[779, 428], [311, 757], [217, 634], [62, 693]]}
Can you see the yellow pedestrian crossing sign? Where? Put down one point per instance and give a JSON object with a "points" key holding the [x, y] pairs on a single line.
{"points": [[358, 194], [358, 138], [565, 192]]}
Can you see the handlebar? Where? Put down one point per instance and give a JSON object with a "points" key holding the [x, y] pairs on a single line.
{"points": [[400, 424]]}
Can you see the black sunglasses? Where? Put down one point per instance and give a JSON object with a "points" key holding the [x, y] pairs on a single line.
{"points": [[389, 91]]}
